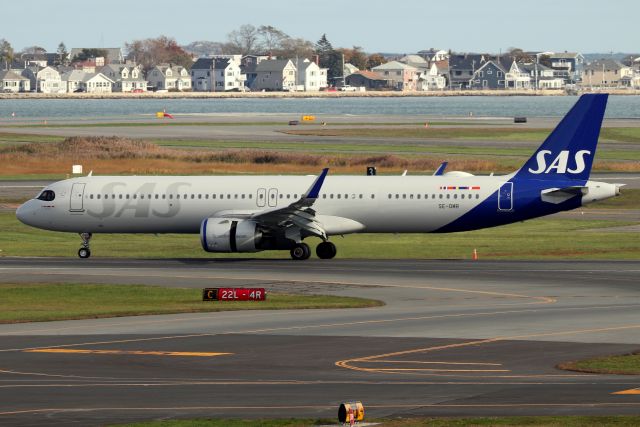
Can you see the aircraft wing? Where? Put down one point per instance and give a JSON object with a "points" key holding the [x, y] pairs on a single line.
{"points": [[294, 219]]}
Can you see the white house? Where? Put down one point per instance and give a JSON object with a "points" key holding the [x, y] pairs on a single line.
{"points": [[96, 83], [311, 77], [217, 74], [45, 80], [434, 78], [275, 74], [126, 78], [517, 77], [169, 77], [72, 80], [12, 81]]}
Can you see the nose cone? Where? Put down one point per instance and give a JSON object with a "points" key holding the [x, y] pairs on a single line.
{"points": [[24, 212]]}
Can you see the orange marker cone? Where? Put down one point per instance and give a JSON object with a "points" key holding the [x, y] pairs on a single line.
{"points": [[475, 255], [426, 125]]}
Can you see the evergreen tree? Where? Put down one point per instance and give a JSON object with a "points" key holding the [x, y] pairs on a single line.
{"points": [[62, 54], [329, 59]]}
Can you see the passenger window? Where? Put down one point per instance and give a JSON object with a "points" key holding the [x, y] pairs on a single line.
{"points": [[373, 196], [177, 196], [455, 196], [448, 196], [397, 196], [404, 196], [418, 196], [324, 196], [213, 196], [251, 196], [171, 196], [281, 196], [477, 196], [243, 196], [156, 197], [119, 196], [228, 196], [440, 196], [142, 196], [339, 195], [389, 195], [331, 196], [411, 196], [360, 196]]}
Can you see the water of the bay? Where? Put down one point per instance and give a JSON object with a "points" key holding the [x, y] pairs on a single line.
{"points": [[479, 106]]}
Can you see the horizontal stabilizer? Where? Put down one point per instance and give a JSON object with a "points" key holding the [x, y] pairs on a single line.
{"points": [[559, 195]]}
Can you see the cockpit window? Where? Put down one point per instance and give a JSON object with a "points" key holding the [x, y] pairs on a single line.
{"points": [[47, 196]]}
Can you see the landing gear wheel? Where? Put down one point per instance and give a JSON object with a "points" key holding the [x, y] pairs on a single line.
{"points": [[300, 252], [84, 253], [326, 250]]}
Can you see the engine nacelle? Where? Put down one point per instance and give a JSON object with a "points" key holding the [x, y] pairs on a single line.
{"points": [[230, 235]]}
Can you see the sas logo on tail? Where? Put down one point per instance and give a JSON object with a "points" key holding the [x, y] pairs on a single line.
{"points": [[561, 163]]}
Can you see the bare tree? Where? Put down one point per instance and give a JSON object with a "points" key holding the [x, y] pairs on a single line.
{"points": [[244, 40], [272, 37], [160, 50]]}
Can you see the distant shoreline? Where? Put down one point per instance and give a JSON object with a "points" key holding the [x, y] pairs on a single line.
{"points": [[279, 95]]}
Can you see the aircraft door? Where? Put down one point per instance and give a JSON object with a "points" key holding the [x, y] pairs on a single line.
{"points": [[505, 197], [261, 197], [273, 197], [76, 199]]}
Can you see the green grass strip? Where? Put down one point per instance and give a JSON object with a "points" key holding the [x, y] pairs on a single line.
{"points": [[47, 302], [626, 364]]}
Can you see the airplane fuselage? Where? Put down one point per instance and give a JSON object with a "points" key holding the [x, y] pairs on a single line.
{"points": [[372, 204]]}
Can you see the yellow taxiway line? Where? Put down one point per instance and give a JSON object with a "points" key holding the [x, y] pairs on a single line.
{"points": [[125, 352]]}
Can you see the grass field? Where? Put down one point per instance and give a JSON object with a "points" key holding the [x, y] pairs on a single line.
{"points": [[544, 238], [485, 133], [559, 421], [626, 364], [40, 303]]}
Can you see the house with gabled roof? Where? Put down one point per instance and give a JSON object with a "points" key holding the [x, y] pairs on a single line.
{"points": [[436, 77], [44, 80], [606, 72], [217, 74], [404, 77], [96, 83], [13, 81], [517, 77], [369, 80], [491, 75], [126, 77], [310, 76], [72, 80], [275, 74], [462, 68], [169, 77]]}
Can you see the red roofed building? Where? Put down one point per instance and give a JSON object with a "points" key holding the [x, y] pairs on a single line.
{"points": [[369, 80]]}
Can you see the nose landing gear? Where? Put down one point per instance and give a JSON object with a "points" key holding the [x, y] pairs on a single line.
{"points": [[84, 251]]}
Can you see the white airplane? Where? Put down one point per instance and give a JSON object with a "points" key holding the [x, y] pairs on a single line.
{"points": [[255, 213]]}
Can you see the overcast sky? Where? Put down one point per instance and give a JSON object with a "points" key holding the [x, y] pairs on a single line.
{"points": [[403, 26]]}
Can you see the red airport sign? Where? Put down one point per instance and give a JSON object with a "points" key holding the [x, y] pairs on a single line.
{"points": [[234, 294]]}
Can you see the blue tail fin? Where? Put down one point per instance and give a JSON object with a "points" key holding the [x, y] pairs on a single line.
{"points": [[568, 152]]}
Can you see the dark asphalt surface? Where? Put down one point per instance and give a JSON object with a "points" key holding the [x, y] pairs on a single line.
{"points": [[455, 338]]}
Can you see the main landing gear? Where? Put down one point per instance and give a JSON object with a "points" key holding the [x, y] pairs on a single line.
{"points": [[84, 251], [325, 250], [300, 252]]}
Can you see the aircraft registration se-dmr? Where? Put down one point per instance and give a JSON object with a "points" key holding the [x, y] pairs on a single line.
{"points": [[256, 213]]}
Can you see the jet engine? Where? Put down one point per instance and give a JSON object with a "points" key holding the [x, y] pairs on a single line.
{"points": [[230, 235]]}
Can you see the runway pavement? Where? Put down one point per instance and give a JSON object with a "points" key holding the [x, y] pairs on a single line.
{"points": [[454, 338]]}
